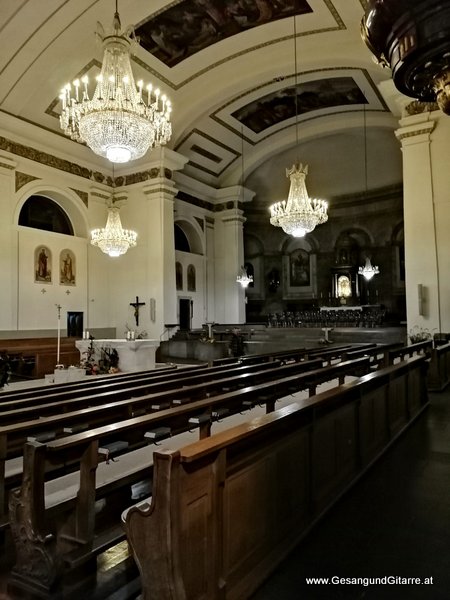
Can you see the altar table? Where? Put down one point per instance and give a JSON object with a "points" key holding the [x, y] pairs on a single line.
{"points": [[134, 355]]}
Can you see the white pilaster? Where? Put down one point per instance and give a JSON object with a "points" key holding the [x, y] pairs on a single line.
{"points": [[425, 140]]}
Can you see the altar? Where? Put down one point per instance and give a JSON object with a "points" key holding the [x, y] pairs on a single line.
{"points": [[134, 355]]}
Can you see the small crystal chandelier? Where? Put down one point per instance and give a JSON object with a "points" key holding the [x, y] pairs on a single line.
{"points": [[299, 214], [244, 278], [368, 271], [113, 239], [117, 122]]}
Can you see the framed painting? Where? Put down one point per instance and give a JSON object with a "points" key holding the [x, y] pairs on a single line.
{"points": [[42, 265], [67, 267]]}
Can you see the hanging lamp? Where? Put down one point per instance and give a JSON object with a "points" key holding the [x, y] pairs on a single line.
{"points": [[243, 278], [121, 121], [299, 214], [368, 270], [113, 239]]}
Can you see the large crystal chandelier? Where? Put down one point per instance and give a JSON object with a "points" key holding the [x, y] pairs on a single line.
{"points": [[299, 214], [113, 239], [368, 271], [120, 121]]}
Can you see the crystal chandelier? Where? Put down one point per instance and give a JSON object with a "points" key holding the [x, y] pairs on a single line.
{"points": [[120, 121], [113, 239], [244, 278], [368, 271], [299, 214]]}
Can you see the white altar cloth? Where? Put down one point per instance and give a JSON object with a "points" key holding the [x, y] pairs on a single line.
{"points": [[134, 355]]}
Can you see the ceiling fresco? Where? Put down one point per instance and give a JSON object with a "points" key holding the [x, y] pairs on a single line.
{"points": [[278, 106], [192, 25]]}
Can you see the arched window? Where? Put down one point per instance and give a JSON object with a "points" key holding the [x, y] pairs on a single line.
{"points": [[181, 241], [40, 212], [191, 278], [179, 275]]}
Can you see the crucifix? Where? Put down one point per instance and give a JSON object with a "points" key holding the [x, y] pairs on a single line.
{"points": [[136, 306]]}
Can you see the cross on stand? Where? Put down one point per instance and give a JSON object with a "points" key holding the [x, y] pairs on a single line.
{"points": [[136, 306]]}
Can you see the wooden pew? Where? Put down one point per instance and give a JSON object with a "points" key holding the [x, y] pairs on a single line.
{"points": [[93, 381], [439, 371], [227, 509], [121, 389], [73, 535], [408, 351], [78, 416]]}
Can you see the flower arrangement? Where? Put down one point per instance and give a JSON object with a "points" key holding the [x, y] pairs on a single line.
{"points": [[417, 334]]}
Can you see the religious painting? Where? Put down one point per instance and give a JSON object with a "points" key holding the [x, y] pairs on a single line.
{"points": [[179, 276], [67, 274], [299, 269], [189, 26], [278, 106], [191, 283], [42, 265]]}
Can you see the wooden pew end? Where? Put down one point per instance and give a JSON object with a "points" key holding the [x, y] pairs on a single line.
{"points": [[45, 436]]}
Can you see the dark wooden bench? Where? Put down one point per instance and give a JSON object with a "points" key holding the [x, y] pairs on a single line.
{"points": [[398, 354], [73, 535], [292, 354], [117, 390], [227, 509], [78, 416], [92, 382], [439, 371]]}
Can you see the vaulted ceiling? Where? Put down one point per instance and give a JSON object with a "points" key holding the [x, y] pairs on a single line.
{"points": [[228, 67]]}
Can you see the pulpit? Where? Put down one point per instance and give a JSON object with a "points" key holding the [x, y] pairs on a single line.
{"points": [[134, 355]]}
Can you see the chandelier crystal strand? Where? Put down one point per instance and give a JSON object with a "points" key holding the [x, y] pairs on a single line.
{"points": [[368, 271], [300, 214], [113, 239], [244, 278], [121, 121]]}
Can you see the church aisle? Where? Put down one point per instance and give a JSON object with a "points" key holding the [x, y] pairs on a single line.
{"points": [[394, 523]]}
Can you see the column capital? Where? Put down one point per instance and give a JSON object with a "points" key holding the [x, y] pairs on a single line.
{"points": [[415, 129]]}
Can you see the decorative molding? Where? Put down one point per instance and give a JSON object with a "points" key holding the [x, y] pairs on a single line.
{"points": [[83, 195], [416, 107], [23, 178], [415, 130], [185, 197], [49, 160], [44, 158], [201, 222]]}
